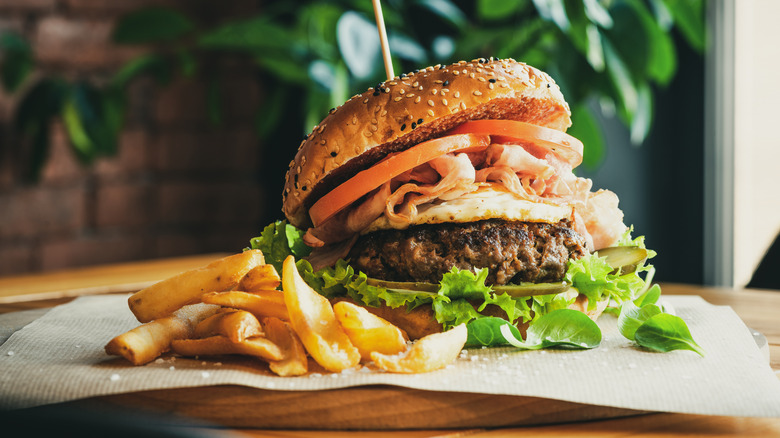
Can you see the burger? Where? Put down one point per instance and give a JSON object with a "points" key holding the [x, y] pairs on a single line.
{"points": [[448, 194]]}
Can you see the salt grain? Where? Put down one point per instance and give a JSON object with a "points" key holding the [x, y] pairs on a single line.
{"points": [[114, 377], [172, 368], [10, 353], [205, 374]]}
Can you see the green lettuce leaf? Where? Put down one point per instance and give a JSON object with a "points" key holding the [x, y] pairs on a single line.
{"points": [[592, 276], [279, 240]]}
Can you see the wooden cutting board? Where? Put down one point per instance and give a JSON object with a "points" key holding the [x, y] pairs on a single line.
{"points": [[356, 408]]}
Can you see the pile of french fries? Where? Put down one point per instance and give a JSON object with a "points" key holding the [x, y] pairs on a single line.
{"points": [[234, 306]]}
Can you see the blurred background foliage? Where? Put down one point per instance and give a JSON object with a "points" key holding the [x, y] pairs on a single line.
{"points": [[311, 56]]}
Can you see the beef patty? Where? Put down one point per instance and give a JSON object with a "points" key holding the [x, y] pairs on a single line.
{"points": [[513, 252]]}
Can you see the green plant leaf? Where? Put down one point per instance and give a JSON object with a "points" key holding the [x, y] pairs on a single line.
{"points": [[562, 328], [82, 145], [283, 68], [447, 10], [554, 11], [643, 117], [631, 317], [689, 18], [586, 128], [17, 60], [152, 64], [32, 120], [664, 332], [358, 41], [187, 63], [622, 83], [487, 332], [152, 25], [490, 10], [254, 35], [597, 13], [405, 47], [650, 296], [268, 115]]}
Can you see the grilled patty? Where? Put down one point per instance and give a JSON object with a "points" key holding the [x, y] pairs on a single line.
{"points": [[513, 252]]}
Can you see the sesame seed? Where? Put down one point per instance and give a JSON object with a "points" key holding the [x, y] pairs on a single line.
{"points": [[365, 100], [384, 113], [465, 71], [419, 121], [415, 84], [397, 99], [410, 95], [472, 75], [455, 72], [504, 85], [373, 121], [373, 128], [414, 125], [333, 154], [434, 91], [492, 81], [477, 93], [430, 102], [401, 91], [463, 105], [446, 83], [430, 113], [368, 133], [457, 94], [417, 100], [444, 101], [437, 81], [490, 86], [403, 126], [481, 79]]}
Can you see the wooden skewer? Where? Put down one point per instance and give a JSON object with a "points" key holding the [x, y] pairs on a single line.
{"points": [[380, 24]]}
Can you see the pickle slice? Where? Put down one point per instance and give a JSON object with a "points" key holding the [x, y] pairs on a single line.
{"points": [[513, 290], [623, 258], [405, 286], [531, 289]]}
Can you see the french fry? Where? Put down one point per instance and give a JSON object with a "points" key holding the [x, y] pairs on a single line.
{"points": [[261, 304], [280, 333], [236, 325], [163, 298], [146, 342], [427, 354], [263, 277], [312, 318], [369, 332], [257, 346]]}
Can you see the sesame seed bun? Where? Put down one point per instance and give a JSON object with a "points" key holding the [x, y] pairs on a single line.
{"points": [[409, 109]]}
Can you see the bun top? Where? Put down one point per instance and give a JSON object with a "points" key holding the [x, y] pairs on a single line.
{"points": [[408, 109]]}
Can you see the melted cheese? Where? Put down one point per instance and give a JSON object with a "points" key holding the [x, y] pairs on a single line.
{"points": [[485, 203]]}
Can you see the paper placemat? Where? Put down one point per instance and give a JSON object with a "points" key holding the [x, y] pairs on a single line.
{"points": [[59, 357]]}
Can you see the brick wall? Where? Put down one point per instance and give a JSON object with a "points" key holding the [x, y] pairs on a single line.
{"points": [[178, 185]]}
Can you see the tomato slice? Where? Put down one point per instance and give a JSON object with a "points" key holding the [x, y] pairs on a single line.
{"points": [[378, 174], [559, 143]]}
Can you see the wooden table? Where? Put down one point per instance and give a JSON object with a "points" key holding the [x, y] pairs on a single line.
{"points": [[759, 309]]}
